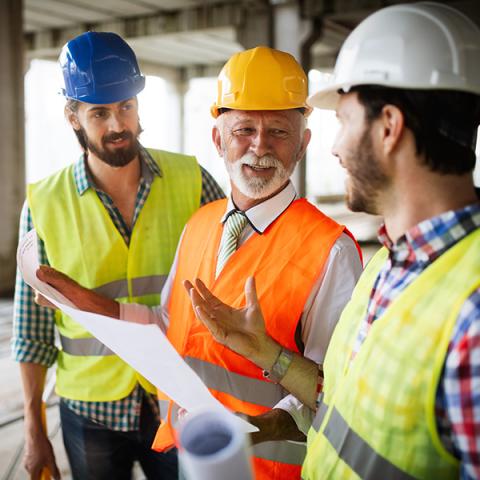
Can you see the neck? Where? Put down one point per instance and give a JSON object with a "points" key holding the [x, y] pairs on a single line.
{"points": [[244, 203], [114, 179], [424, 195]]}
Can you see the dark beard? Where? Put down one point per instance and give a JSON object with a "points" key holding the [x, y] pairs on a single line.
{"points": [[121, 156], [366, 178]]}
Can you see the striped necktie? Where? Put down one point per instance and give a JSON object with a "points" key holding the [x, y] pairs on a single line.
{"points": [[231, 231]]}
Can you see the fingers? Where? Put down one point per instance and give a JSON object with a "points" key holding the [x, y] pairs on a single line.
{"points": [[47, 274], [54, 471], [207, 295], [202, 296], [54, 278], [42, 301], [251, 297]]}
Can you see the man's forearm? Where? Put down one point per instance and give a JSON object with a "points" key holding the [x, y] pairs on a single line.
{"points": [[301, 378], [276, 424], [33, 380]]}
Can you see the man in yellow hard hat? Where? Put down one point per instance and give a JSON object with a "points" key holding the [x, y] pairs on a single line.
{"points": [[305, 262]]}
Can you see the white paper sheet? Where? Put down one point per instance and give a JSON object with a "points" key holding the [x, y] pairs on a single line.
{"points": [[144, 347]]}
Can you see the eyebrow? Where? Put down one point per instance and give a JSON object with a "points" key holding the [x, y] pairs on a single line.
{"points": [[96, 109], [102, 108]]}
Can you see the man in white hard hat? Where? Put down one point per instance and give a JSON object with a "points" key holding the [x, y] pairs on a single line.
{"points": [[402, 373]]}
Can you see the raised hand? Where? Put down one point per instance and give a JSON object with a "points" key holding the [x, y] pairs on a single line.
{"points": [[242, 330], [83, 298]]}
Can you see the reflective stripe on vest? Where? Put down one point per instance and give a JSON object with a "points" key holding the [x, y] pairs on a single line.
{"points": [[357, 453], [244, 388], [286, 452], [147, 285], [84, 347], [320, 415]]}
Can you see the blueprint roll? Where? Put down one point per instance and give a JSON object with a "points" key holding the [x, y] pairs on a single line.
{"points": [[214, 447]]}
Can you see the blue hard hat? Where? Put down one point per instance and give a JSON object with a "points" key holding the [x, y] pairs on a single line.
{"points": [[100, 68]]}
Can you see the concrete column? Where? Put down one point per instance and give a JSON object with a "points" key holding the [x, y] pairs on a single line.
{"points": [[12, 150], [290, 34]]}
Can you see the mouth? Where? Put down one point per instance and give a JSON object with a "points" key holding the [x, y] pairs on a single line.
{"points": [[119, 142], [257, 168]]}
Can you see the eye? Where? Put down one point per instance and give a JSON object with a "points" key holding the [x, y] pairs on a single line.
{"points": [[278, 132], [244, 131], [99, 114], [128, 106]]}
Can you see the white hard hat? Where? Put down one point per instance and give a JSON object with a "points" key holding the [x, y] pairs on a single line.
{"points": [[423, 45]]}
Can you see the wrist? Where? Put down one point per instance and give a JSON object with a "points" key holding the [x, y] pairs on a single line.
{"points": [[267, 353], [280, 367]]}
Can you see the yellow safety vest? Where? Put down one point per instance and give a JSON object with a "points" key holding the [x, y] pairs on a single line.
{"points": [[81, 240], [377, 416]]}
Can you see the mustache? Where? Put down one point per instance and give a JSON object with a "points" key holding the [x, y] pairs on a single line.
{"points": [[111, 137], [254, 161]]}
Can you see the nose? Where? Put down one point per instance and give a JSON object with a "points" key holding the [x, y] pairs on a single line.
{"points": [[335, 146], [115, 123], [261, 143]]}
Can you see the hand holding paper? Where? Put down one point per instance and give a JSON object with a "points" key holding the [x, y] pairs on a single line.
{"points": [[144, 347]]}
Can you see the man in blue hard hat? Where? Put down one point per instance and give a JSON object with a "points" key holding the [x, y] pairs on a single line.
{"points": [[112, 221]]}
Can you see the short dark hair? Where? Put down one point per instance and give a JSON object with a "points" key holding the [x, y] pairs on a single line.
{"points": [[72, 106], [443, 122]]}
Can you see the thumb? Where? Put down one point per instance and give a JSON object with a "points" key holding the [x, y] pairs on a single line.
{"points": [[251, 297], [54, 471]]}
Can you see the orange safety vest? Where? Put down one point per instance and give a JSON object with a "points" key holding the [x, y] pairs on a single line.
{"points": [[286, 260]]}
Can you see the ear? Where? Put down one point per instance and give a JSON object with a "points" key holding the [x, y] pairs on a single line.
{"points": [[307, 135], [72, 119], [217, 140], [390, 128]]}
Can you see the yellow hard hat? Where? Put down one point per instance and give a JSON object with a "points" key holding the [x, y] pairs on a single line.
{"points": [[261, 79]]}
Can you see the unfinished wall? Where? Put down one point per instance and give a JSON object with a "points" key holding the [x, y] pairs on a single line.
{"points": [[12, 150]]}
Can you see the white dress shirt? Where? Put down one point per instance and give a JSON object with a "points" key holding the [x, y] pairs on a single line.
{"points": [[330, 293]]}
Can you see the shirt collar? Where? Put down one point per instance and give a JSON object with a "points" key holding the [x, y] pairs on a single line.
{"points": [[261, 216], [83, 179], [429, 239]]}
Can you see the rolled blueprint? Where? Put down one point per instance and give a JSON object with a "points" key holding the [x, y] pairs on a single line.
{"points": [[214, 447]]}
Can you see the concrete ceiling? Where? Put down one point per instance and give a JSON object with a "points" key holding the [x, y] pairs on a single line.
{"points": [[165, 33], [191, 34], [47, 14]]}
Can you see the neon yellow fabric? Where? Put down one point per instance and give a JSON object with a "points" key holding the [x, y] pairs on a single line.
{"points": [[81, 240], [386, 395]]}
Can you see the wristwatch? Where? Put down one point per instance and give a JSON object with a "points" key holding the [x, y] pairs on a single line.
{"points": [[280, 367]]}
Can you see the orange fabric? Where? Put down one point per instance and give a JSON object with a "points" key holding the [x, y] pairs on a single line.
{"points": [[166, 437], [285, 260], [266, 470]]}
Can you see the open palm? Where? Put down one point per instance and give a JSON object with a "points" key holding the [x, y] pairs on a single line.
{"points": [[240, 329]]}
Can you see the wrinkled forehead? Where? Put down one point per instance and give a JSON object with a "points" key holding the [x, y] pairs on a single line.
{"points": [[290, 118]]}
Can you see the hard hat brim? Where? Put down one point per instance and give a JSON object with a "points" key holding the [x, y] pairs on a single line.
{"points": [[326, 99]]}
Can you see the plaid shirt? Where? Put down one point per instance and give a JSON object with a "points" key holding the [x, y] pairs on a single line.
{"points": [[34, 327], [457, 403]]}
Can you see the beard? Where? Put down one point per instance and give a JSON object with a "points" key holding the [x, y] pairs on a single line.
{"points": [[257, 187], [118, 157], [365, 178]]}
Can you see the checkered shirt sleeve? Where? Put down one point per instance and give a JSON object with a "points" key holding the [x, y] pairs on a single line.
{"points": [[33, 337]]}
